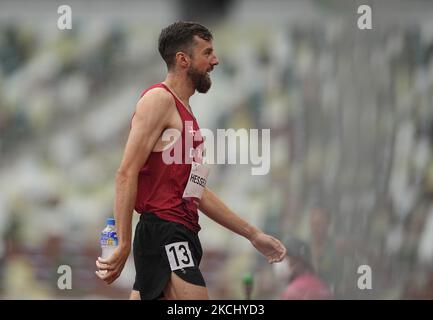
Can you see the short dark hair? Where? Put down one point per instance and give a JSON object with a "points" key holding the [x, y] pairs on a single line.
{"points": [[179, 36]]}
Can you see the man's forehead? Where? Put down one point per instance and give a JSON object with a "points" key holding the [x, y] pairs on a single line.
{"points": [[202, 43]]}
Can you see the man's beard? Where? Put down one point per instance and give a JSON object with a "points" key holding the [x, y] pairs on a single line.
{"points": [[201, 81]]}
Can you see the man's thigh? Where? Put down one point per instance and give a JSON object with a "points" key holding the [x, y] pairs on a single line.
{"points": [[179, 289]]}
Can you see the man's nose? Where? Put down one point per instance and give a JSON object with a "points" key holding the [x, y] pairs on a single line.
{"points": [[215, 61]]}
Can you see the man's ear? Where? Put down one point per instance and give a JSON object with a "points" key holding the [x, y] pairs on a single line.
{"points": [[183, 59]]}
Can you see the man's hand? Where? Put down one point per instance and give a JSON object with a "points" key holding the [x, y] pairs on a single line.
{"points": [[111, 268], [270, 247]]}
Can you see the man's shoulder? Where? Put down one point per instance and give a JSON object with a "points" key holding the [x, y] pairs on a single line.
{"points": [[158, 93], [156, 98]]}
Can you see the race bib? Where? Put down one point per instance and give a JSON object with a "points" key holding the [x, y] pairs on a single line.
{"points": [[197, 181], [179, 255]]}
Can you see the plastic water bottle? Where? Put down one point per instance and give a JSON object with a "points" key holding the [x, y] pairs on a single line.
{"points": [[108, 238]]}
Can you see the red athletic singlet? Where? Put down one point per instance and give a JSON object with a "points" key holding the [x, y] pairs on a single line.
{"points": [[161, 186]]}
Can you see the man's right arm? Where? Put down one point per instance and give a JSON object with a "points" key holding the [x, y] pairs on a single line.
{"points": [[151, 118]]}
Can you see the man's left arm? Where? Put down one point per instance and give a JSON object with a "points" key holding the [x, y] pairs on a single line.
{"points": [[216, 210]]}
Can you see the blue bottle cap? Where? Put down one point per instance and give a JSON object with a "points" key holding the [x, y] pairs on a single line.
{"points": [[111, 221]]}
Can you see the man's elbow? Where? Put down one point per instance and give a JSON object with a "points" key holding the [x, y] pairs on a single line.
{"points": [[124, 174], [203, 201]]}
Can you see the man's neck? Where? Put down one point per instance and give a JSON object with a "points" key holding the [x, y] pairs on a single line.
{"points": [[181, 87]]}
